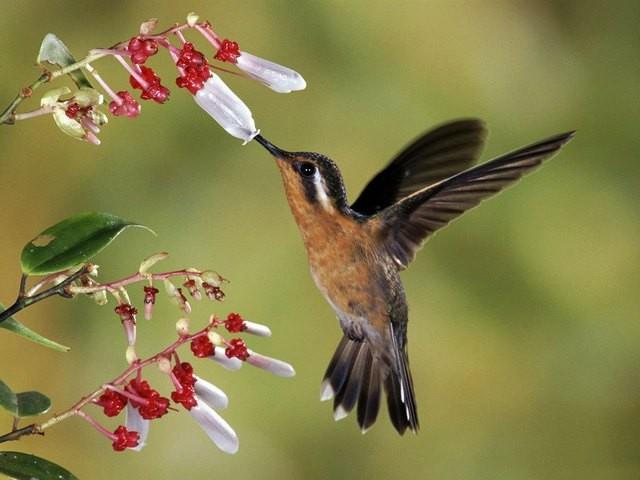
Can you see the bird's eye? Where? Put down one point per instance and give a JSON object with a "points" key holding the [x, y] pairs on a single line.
{"points": [[307, 169]]}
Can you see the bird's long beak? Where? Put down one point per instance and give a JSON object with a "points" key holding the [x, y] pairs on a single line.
{"points": [[271, 148]]}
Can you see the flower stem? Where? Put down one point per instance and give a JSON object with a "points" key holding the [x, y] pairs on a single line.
{"points": [[103, 84], [8, 116], [208, 34], [47, 109], [143, 83], [136, 277], [94, 423]]}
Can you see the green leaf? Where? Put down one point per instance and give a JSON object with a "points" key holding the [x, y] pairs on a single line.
{"points": [[8, 399], [23, 404], [24, 466], [18, 328], [54, 51], [32, 403], [72, 242]]}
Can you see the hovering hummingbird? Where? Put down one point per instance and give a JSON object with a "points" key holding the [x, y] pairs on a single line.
{"points": [[356, 252]]}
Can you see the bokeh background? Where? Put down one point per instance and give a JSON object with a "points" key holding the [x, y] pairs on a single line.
{"points": [[524, 331]]}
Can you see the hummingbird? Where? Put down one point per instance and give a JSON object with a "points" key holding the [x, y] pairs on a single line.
{"points": [[357, 251]]}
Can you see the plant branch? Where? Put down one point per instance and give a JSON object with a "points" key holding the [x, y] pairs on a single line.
{"points": [[74, 410], [8, 115], [32, 429], [23, 301], [137, 277]]}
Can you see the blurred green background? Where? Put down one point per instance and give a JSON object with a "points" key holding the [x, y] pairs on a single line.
{"points": [[524, 329]]}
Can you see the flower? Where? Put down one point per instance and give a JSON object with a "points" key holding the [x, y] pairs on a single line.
{"points": [[127, 315], [228, 363], [216, 428], [257, 329], [228, 51], [210, 394], [200, 398], [153, 90], [237, 349], [184, 393], [123, 439], [135, 422], [176, 296], [141, 49], [192, 285], [112, 402], [149, 300], [78, 117], [194, 68], [202, 347], [213, 292], [226, 108], [273, 365], [277, 77], [127, 107], [208, 397], [150, 404], [234, 323]]}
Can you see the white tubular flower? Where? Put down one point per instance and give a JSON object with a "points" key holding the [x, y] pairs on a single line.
{"points": [[226, 108], [210, 394], [277, 77], [216, 428], [273, 365], [257, 329], [228, 363], [134, 422]]}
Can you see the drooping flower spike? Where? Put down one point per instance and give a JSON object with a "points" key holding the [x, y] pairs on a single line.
{"points": [[130, 391], [79, 117]]}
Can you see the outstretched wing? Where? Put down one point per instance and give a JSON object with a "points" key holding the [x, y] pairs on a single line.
{"points": [[406, 225], [432, 157]]}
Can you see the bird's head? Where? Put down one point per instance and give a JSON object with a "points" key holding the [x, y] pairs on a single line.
{"points": [[312, 182]]}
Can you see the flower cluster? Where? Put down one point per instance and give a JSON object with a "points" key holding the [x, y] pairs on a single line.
{"points": [[199, 397], [132, 391], [195, 75]]}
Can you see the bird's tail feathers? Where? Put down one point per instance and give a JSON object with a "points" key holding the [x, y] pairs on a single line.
{"points": [[355, 376]]}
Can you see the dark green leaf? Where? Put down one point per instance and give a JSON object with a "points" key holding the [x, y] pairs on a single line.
{"points": [[18, 328], [32, 403], [8, 399], [54, 51], [71, 242], [23, 466]]}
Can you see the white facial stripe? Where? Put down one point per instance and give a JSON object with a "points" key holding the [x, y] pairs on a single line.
{"points": [[321, 192]]}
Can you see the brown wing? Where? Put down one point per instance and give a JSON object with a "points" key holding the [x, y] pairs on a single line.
{"points": [[406, 225], [434, 156]]}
